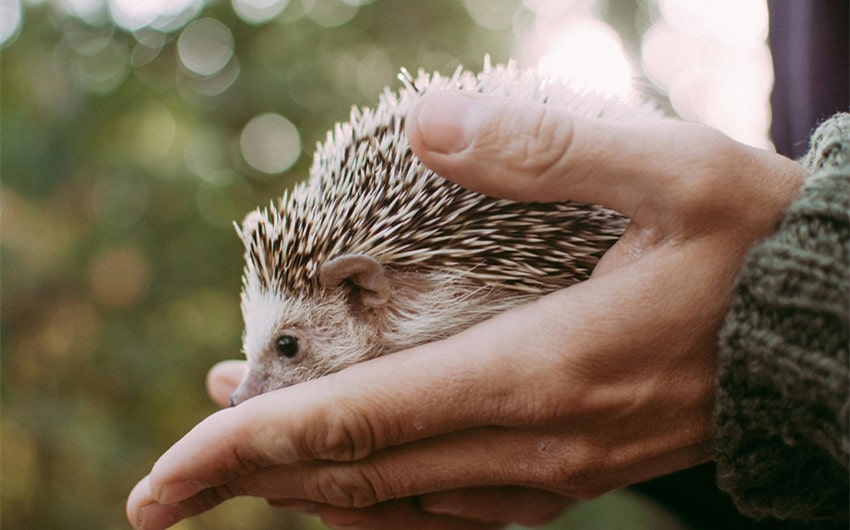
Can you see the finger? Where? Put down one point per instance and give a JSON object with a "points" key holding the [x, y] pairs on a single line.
{"points": [[223, 378], [409, 396], [348, 415], [144, 512], [391, 514], [505, 504], [496, 505], [574, 466], [154, 516], [536, 152], [397, 514]]}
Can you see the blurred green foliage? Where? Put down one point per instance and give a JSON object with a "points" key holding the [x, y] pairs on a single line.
{"points": [[121, 176]]}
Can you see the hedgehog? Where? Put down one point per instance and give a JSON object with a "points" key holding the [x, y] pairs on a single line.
{"points": [[375, 253]]}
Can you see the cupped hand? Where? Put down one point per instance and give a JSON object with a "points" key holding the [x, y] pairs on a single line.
{"points": [[601, 385]]}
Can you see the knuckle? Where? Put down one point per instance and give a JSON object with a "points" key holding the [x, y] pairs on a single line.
{"points": [[579, 482], [550, 141], [534, 141], [349, 487], [343, 436], [545, 140], [344, 431], [245, 460], [578, 471]]}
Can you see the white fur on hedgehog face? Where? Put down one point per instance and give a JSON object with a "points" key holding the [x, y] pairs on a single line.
{"points": [[329, 338]]}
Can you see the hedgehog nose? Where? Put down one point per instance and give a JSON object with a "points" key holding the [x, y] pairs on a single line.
{"points": [[236, 398], [247, 389]]}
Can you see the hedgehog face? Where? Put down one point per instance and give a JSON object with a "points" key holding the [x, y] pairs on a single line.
{"points": [[290, 338]]}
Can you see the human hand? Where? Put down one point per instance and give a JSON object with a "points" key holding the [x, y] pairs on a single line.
{"points": [[479, 507], [604, 384]]}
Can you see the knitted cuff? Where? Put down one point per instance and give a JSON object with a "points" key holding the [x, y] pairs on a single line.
{"points": [[782, 414]]}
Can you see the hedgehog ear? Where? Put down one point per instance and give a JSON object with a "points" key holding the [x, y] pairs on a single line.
{"points": [[363, 273]]}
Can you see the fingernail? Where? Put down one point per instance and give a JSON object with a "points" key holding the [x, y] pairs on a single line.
{"points": [[177, 491], [447, 122], [157, 517]]}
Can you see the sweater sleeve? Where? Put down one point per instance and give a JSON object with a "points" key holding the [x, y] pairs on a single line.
{"points": [[782, 411]]}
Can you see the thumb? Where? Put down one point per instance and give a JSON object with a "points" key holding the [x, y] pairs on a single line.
{"points": [[533, 152], [223, 378]]}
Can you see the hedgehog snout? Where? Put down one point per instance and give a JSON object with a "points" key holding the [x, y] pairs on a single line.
{"points": [[248, 388]]}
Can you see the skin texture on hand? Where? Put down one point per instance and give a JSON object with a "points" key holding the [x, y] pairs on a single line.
{"points": [[601, 385]]}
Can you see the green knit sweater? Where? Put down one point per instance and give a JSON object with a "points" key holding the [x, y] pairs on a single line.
{"points": [[782, 414]]}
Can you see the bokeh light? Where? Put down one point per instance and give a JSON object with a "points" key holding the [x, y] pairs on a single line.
{"points": [[258, 11], [567, 40], [549, 8], [735, 22], [589, 53], [205, 46], [165, 15], [153, 135], [101, 69], [270, 143], [206, 156], [710, 58], [11, 17], [330, 13], [93, 12], [713, 61], [492, 14]]}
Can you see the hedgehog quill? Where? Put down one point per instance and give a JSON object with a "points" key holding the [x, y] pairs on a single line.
{"points": [[375, 253]]}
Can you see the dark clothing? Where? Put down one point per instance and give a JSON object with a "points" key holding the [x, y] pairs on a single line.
{"points": [[810, 42]]}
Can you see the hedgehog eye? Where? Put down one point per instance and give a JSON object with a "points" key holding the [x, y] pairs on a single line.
{"points": [[287, 346]]}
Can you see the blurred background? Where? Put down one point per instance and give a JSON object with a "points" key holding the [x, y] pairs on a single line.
{"points": [[134, 132]]}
